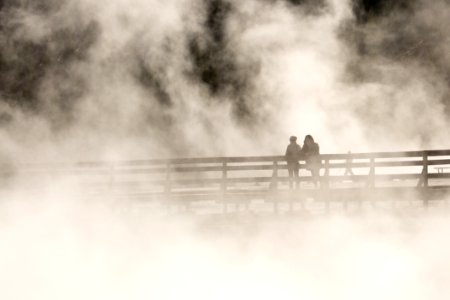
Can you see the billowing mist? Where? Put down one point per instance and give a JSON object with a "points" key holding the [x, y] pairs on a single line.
{"points": [[137, 79], [70, 251], [96, 79]]}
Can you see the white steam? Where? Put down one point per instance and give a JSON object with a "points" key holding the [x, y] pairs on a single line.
{"points": [[132, 89], [75, 251], [295, 66]]}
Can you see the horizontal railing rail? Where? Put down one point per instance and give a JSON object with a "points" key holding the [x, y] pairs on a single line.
{"points": [[235, 159], [228, 175]]}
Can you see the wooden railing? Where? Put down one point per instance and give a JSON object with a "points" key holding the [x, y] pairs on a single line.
{"points": [[222, 178]]}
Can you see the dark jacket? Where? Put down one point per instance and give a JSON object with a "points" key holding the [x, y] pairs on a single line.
{"points": [[293, 152], [311, 154]]}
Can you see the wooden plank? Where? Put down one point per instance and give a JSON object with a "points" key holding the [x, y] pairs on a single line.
{"points": [[205, 160]]}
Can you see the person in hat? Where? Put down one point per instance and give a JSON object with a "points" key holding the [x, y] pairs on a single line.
{"points": [[293, 152]]}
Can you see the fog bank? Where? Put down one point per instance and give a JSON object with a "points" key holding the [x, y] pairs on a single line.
{"points": [[74, 251]]}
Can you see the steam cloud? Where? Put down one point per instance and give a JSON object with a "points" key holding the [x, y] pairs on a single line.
{"points": [[136, 79], [84, 79], [72, 252]]}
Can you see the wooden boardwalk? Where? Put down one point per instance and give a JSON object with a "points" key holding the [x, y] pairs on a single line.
{"points": [[346, 180]]}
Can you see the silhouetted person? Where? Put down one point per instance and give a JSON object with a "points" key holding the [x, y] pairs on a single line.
{"points": [[293, 152], [310, 151]]}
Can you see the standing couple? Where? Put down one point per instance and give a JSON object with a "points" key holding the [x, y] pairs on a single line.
{"points": [[309, 152]]}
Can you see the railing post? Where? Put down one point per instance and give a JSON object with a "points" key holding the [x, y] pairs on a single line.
{"points": [[224, 186], [326, 174], [425, 169], [425, 177], [348, 165], [275, 176], [274, 185], [168, 187], [371, 182], [111, 177], [326, 180], [372, 173]]}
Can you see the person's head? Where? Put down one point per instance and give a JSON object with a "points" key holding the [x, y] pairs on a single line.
{"points": [[308, 140], [293, 139]]}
